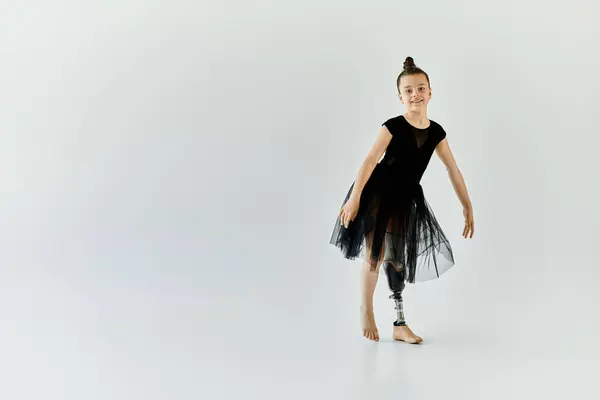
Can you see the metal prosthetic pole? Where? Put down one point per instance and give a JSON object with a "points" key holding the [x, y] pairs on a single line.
{"points": [[396, 284]]}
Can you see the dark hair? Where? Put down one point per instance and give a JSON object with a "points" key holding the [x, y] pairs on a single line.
{"points": [[410, 69]]}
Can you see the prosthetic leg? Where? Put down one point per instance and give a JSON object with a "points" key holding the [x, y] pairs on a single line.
{"points": [[396, 283]]}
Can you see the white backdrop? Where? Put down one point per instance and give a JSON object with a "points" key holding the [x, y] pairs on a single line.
{"points": [[171, 172]]}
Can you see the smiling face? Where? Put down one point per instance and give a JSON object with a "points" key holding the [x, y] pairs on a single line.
{"points": [[415, 92]]}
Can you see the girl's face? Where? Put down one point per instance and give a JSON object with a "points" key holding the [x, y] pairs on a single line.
{"points": [[415, 92]]}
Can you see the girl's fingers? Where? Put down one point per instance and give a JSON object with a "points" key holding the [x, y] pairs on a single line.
{"points": [[469, 229], [345, 217]]}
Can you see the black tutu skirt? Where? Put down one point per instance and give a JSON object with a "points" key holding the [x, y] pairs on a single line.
{"points": [[395, 218]]}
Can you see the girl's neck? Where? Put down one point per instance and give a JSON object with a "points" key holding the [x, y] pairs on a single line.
{"points": [[419, 120]]}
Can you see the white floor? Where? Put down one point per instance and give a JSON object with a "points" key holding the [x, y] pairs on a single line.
{"points": [[193, 335]]}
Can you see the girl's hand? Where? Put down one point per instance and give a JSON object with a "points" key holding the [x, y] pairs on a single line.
{"points": [[469, 229], [349, 211]]}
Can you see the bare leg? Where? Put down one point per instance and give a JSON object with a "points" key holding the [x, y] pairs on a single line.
{"points": [[370, 273], [369, 282]]}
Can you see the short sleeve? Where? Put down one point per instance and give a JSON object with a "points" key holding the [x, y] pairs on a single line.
{"points": [[389, 124], [442, 133]]}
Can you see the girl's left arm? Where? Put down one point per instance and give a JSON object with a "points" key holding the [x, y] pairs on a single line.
{"points": [[458, 183]]}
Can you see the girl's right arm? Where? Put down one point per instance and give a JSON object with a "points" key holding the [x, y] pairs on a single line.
{"points": [[350, 209], [364, 172]]}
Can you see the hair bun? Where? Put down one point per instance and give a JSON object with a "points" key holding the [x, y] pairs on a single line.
{"points": [[409, 63]]}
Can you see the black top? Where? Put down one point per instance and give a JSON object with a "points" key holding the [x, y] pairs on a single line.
{"points": [[411, 148]]}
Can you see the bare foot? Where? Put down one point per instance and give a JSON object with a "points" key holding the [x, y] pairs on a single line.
{"points": [[404, 334], [368, 323]]}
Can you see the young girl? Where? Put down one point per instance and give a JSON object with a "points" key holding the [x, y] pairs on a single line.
{"points": [[385, 218]]}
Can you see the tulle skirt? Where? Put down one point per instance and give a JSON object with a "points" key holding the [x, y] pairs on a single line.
{"points": [[395, 219]]}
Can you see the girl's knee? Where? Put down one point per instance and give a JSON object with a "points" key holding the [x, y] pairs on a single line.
{"points": [[373, 265]]}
